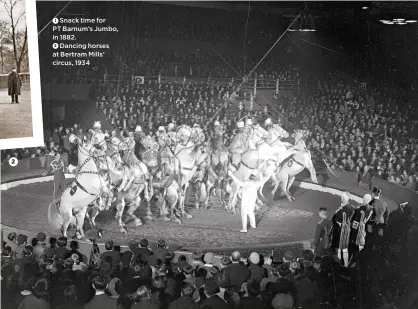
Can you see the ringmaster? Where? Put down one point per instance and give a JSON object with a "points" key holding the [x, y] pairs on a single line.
{"points": [[57, 166], [14, 85]]}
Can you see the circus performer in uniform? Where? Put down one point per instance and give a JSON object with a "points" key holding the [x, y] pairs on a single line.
{"points": [[57, 167], [321, 240], [361, 216], [129, 158], [218, 129], [341, 228], [98, 138], [248, 198], [379, 218]]}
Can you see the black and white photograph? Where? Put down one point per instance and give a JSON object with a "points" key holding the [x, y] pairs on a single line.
{"points": [[215, 154], [17, 113]]}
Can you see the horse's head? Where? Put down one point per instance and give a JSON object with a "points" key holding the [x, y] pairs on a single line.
{"points": [[184, 134]]}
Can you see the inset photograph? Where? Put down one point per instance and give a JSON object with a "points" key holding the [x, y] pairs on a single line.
{"points": [[16, 109]]}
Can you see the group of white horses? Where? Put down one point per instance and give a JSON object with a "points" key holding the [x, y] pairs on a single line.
{"points": [[168, 165]]}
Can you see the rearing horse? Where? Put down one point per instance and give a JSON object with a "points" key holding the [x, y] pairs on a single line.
{"points": [[88, 185]]}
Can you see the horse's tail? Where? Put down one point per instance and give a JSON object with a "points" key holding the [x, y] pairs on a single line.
{"points": [[55, 219]]}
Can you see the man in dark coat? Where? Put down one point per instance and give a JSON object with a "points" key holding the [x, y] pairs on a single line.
{"points": [[378, 220], [322, 243], [236, 272], [14, 85]]}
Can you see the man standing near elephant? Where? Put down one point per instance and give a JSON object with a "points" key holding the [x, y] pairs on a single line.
{"points": [[14, 85]]}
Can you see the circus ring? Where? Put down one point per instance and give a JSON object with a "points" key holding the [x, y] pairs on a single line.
{"points": [[282, 227]]}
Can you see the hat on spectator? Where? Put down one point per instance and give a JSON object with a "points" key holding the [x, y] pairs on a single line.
{"points": [[161, 243], [226, 261], [254, 258], [97, 125], [41, 236], [126, 258], [376, 191], [208, 258], [289, 256], [144, 242], [240, 124], [268, 121], [138, 129], [216, 123], [112, 287], [21, 239], [161, 129], [211, 286]]}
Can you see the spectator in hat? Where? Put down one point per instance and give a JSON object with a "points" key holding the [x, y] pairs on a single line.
{"points": [[12, 241], [225, 262], [252, 298], [110, 252], [39, 296], [213, 301], [237, 272], [196, 259], [100, 300], [256, 271], [21, 244], [161, 250], [50, 252], [188, 274], [185, 301], [208, 258], [40, 247], [62, 252], [142, 299]]}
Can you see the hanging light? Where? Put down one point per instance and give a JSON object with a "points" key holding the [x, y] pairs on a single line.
{"points": [[398, 19], [410, 21], [402, 23]]}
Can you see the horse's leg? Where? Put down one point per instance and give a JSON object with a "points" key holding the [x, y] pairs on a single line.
{"points": [[289, 185], [80, 222], [147, 197], [233, 198], [182, 203], [197, 186], [95, 212], [67, 220], [120, 206], [209, 189], [283, 186], [173, 198], [133, 207]]}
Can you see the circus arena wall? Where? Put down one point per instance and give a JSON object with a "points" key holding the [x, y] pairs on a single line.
{"points": [[29, 171]]}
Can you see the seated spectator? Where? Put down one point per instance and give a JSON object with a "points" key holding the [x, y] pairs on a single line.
{"points": [[196, 259], [100, 300], [113, 254], [237, 272], [62, 252], [256, 271], [50, 252], [213, 300], [142, 299], [252, 297], [40, 246], [39, 296], [185, 301]]}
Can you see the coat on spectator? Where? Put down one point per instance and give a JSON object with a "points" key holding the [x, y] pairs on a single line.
{"points": [[237, 274]]}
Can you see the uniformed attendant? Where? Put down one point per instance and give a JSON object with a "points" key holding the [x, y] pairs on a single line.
{"points": [[362, 214], [321, 241], [379, 219], [57, 166], [341, 227]]}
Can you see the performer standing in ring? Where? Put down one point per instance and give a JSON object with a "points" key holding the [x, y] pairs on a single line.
{"points": [[57, 167]]}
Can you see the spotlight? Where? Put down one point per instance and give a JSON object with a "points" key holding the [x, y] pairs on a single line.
{"points": [[402, 23], [398, 19], [364, 7]]}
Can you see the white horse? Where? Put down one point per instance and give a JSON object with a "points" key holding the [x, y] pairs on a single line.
{"points": [[289, 168], [189, 151], [88, 185]]}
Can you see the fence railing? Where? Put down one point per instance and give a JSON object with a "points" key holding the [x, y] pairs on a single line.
{"points": [[4, 79], [29, 165], [259, 83]]}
